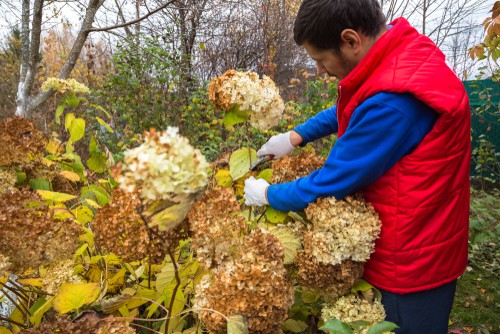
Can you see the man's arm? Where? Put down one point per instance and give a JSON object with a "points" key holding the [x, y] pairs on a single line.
{"points": [[381, 131], [322, 124]]}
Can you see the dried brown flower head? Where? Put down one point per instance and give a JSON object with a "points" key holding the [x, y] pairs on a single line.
{"points": [[7, 179], [20, 142], [213, 223], [30, 236], [334, 280], [253, 284], [88, 323], [119, 229], [291, 167]]}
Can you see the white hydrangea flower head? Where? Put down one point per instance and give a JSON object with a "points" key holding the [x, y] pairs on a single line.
{"points": [[164, 166], [351, 308], [343, 229], [260, 97], [65, 86]]}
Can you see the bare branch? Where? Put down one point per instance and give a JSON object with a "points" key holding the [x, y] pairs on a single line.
{"points": [[133, 21]]}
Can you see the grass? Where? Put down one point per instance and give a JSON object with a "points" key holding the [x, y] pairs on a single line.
{"points": [[477, 303]]}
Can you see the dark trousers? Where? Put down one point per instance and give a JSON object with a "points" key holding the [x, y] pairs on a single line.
{"points": [[425, 312]]}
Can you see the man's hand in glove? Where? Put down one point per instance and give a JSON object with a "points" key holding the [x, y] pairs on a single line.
{"points": [[280, 145], [255, 192]]}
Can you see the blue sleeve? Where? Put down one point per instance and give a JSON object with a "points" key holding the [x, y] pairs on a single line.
{"points": [[381, 131], [322, 124]]}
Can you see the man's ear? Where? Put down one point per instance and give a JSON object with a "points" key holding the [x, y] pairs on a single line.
{"points": [[351, 40]]}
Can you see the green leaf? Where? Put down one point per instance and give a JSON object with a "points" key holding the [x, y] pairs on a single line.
{"points": [[310, 296], [103, 123], [59, 112], [73, 101], [20, 177], [39, 184], [202, 46], [275, 216], [55, 196], [291, 243], [97, 162], [236, 324], [100, 194], [335, 326], [382, 327], [361, 286], [266, 174], [83, 214], [98, 107], [72, 296], [93, 146], [294, 326], [235, 116], [37, 311], [77, 129], [240, 162]]}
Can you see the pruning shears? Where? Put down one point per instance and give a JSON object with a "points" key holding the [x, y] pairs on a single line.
{"points": [[260, 160]]}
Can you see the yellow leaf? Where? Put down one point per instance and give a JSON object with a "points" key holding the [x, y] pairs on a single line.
{"points": [[289, 240], [72, 296], [54, 147], [223, 178], [4, 330], [47, 162], [117, 281], [236, 324], [92, 203], [72, 176], [55, 196], [116, 303], [31, 281]]}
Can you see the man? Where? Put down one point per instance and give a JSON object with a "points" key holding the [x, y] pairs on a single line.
{"points": [[403, 124]]}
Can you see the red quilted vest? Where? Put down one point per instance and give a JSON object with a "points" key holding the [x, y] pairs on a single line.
{"points": [[423, 200]]}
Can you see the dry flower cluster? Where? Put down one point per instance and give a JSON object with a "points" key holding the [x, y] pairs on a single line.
{"points": [[291, 167], [164, 167], [7, 179], [88, 323], [343, 229], [252, 283], [244, 90], [64, 86], [57, 274], [29, 234], [213, 223], [21, 142], [119, 229], [354, 307]]}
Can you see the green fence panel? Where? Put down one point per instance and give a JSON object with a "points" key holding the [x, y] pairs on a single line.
{"points": [[484, 97]]}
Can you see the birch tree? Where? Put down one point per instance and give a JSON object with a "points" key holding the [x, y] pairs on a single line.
{"points": [[32, 12]]}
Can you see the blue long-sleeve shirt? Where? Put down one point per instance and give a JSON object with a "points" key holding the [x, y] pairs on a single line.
{"points": [[382, 130]]}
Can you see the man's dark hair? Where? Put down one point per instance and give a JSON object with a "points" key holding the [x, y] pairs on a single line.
{"points": [[320, 22]]}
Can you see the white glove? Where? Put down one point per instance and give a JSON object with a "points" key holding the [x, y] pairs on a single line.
{"points": [[277, 146], [255, 192]]}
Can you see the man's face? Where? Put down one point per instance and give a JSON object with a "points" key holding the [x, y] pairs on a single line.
{"points": [[337, 64]]}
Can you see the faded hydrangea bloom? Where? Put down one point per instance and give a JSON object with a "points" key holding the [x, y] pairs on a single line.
{"points": [[353, 308], [343, 229], [164, 167], [65, 86], [57, 274], [260, 97], [252, 283]]}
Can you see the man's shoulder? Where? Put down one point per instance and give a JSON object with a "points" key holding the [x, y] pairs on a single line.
{"points": [[398, 101]]}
